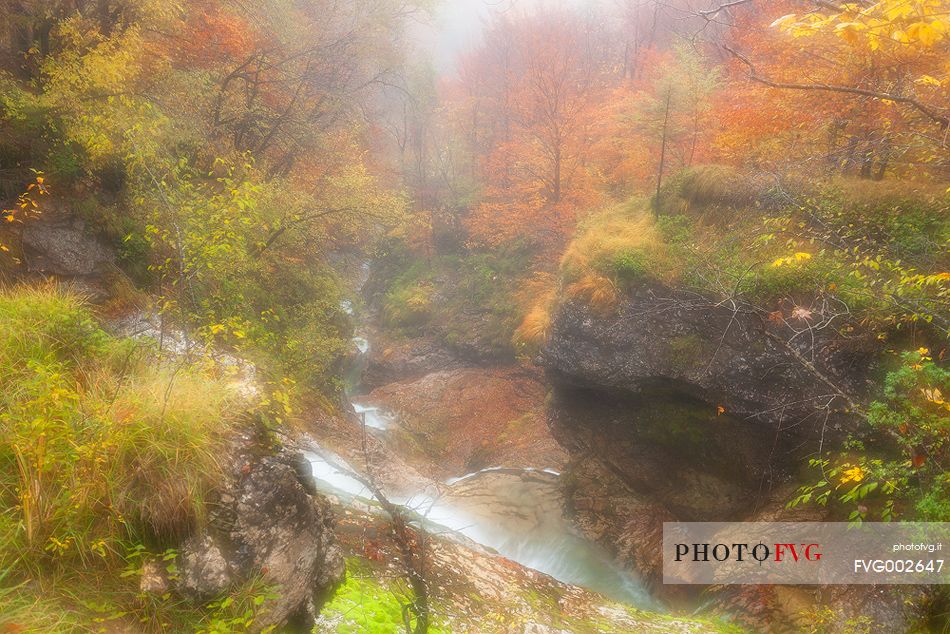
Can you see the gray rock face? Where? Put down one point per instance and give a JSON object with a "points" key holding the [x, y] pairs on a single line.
{"points": [[266, 522], [637, 398], [755, 368], [694, 407], [395, 361], [62, 245]]}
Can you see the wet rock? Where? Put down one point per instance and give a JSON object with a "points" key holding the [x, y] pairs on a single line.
{"points": [[462, 420], [62, 245], [391, 361], [265, 522]]}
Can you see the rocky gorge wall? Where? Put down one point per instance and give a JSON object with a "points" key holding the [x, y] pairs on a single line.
{"points": [[677, 408]]}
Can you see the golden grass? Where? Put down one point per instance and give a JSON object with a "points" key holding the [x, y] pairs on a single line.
{"points": [[537, 299], [605, 234], [589, 266], [534, 329], [98, 441], [600, 292]]}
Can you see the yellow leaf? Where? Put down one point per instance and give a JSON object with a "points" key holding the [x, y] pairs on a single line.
{"points": [[855, 474]]}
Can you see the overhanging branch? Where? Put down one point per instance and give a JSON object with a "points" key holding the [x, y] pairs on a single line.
{"points": [[942, 120]]}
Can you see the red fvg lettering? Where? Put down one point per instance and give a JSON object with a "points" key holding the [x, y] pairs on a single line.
{"points": [[781, 550]]}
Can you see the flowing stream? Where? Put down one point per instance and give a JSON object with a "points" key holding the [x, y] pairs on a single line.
{"points": [[517, 513]]}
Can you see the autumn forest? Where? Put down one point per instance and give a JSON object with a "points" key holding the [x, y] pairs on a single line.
{"points": [[657, 260]]}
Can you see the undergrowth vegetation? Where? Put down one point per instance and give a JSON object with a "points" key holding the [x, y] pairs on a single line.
{"points": [[470, 301], [877, 249], [105, 455]]}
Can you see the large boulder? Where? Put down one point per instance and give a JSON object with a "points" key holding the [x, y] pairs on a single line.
{"points": [[781, 370], [698, 407], [676, 407], [267, 521]]}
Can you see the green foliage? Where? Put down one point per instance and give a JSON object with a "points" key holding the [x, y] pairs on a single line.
{"points": [[103, 448], [100, 444], [909, 221], [141, 137], [629, 265], [408, 301], [913, 414], [236, 613], [277, 306], [878, 249], [466, 299]]}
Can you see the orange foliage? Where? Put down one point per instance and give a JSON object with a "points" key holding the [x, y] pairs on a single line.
{"points": [[531, 97], [213, 35]]}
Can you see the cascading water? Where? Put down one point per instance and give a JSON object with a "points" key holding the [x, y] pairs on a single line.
{"points": [[372, 416], [517, 513]]}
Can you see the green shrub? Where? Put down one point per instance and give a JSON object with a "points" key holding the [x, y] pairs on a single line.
{"points": [[913, 414], [629, 265], [407, 304]]}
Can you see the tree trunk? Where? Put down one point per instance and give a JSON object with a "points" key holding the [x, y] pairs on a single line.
{"points": [[659, 175]]}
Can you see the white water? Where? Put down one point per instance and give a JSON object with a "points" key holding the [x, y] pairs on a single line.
{"points": [[516, 513], [361, 344], [467, 476], [374, 417]]}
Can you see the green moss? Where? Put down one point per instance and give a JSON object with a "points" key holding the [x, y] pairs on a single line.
{"points": [[366, 603]]}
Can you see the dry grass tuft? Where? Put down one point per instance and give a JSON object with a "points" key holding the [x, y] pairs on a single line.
{"points": [[537, 299], [612, 249], [534, 330], [598, 291], [724, 185]]}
